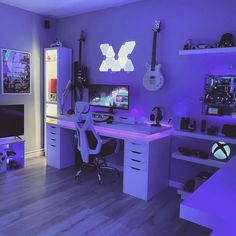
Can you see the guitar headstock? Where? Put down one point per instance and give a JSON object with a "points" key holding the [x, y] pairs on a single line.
{"points": [[82, 38], [157, 26]]}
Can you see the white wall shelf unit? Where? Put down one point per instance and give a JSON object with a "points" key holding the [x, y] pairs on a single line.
{"points": [[194, 159], [204, 136], [228, 51], [184, 168]]}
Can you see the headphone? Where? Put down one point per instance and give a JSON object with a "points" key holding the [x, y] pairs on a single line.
{"points": [[156, 117]]}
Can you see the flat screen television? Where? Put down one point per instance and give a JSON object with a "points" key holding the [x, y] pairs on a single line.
{"points": [[11, 120], [110, 96]]}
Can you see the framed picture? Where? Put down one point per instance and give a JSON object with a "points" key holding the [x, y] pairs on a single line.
{"points": [[16, 72]]}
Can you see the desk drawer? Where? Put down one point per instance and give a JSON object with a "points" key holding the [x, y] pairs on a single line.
{"points": [[135, 182], [53, 129], [52, 156], [137, 146], [136, 163], [136, 155], [52, 140]]}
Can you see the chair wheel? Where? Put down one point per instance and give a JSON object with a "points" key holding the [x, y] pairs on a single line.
{"points": [[100, 182]]}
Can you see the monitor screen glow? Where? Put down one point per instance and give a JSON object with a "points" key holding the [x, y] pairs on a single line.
{"points": [[110, 96]]}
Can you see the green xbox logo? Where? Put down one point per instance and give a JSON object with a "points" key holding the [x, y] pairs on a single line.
{"points": [[221, 150]]}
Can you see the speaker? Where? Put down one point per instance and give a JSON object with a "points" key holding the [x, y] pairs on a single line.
{"points": [[203, 126], [46, 24]]}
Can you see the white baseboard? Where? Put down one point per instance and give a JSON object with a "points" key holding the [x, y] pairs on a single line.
{"points": [[35, 153]]}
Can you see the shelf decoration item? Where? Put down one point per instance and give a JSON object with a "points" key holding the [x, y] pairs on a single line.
{"points": [[221, 150], [16, 71]]}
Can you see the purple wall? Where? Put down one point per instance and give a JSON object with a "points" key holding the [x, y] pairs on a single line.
{"points": [[22, 30], [202, 22]]}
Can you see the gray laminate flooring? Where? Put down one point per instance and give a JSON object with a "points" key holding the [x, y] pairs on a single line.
{"points": [[40, 200]]}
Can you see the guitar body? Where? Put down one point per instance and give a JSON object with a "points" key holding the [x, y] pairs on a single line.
{"points": [[82, 76], [153, 79]]}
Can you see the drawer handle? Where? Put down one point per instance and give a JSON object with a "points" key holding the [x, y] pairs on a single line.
{"points": [[135, 160], [137, 144], [53, 127], [134, 168], [53, 139], [52, 133], [52, 145], [136, 152]]}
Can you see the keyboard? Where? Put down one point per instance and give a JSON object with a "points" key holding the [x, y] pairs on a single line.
{"points": [[137, 128]]}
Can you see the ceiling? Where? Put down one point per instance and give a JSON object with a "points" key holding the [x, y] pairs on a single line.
{"points": [[64, 8]]}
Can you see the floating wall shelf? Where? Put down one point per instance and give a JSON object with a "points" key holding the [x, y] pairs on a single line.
{"points": [[230, 50], [206, 162], [205, 136]]}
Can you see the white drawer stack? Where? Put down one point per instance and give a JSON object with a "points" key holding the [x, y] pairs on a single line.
{"points": [[53, 146], [136, 169]]}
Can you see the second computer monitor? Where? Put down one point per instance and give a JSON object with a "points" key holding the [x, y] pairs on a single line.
{"points": [[110, 96]]}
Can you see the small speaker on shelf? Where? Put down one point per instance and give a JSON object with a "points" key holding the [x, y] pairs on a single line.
{"points": [[46, 24], [203, 126]]}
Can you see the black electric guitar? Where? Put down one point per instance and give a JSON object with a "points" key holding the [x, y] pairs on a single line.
{"points": [[81, 80], [154, 79]]}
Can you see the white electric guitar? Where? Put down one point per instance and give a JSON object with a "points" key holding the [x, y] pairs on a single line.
{"points": [[154, 79]]}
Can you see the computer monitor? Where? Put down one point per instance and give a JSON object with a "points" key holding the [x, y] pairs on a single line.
{"points": [[110, 96]]}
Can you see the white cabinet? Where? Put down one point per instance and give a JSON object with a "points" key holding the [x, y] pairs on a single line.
{"points": [[11, 154], [146, 167], [58, 71]]}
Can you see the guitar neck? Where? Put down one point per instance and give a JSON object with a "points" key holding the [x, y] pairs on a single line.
{"points": [[154, 49], [80, 56]]}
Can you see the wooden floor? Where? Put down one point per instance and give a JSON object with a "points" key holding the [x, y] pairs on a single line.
{"points": [[40, 200]]}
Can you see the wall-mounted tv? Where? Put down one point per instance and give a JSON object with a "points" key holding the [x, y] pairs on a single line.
{"points": [[111, 96], [11, 120]]}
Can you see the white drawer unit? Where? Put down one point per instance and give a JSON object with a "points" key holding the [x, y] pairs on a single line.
{"points": [[136, 169], [57, 139], [52, 152], [146, 167]]}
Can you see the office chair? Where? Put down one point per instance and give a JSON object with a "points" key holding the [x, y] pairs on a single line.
{"points": [[93, 148]]}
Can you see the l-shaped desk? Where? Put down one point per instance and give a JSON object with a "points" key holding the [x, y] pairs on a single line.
{"points": [[146, 156]]}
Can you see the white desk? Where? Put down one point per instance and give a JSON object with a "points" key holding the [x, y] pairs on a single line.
{"points": [[213, 204], [146, 156]]}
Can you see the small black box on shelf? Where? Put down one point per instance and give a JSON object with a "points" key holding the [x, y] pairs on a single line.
{"points": [[229, 130]]}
